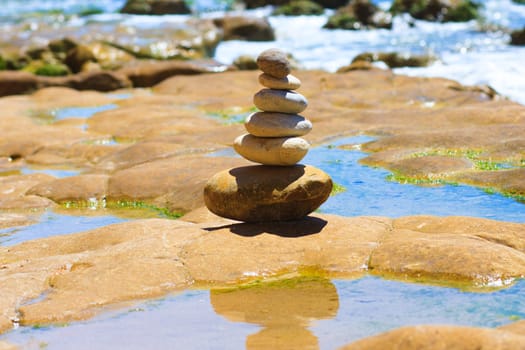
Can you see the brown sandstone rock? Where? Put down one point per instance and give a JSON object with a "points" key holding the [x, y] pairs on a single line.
{"points": [[508, 181], [75, 155], [149, 73], [174, 183], [445, 249], [7, 346], [147, 258], [340, 246], [88, 270], [14, 188], [14, 219], [15, 82], [430, 167], [441, 338], [140, 153], [81, 188], [267, 193], [511, 235], [516, 327], [245, 28]]}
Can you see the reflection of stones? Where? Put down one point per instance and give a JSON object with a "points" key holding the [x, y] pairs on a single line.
{"points": [[264, 193], [285, 310]]}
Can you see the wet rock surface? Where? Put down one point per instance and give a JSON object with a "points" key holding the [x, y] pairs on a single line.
{"points": [[154, 146], [147, 258], [442, 337]]}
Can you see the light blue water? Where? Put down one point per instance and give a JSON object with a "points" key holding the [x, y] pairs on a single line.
{"points": [[80, 112], [368, 192], [54, 224], [367, 306]]}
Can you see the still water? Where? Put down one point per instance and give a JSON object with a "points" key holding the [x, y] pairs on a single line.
{"points": [[314, 313]]}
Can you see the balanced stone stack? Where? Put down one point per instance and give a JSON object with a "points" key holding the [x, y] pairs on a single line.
{"points": [[279, 189]]}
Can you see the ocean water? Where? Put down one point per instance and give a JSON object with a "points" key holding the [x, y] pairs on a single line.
{"points": [[465, 51]]}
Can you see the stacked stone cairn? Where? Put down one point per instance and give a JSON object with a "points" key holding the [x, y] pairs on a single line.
{"points": [[279, 189]]}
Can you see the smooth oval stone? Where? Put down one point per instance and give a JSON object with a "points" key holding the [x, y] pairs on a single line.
{"points": [[284, 101], [289, 82], [274, 62], [271, 150], [265, 193], [273, 124]]}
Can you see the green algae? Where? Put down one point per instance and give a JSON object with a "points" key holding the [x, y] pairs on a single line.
{"points": [[414, 180], [231, 116], [41, 116], [143, 209], [337, 188], [475, 156], [161, 211], [276, 282]]}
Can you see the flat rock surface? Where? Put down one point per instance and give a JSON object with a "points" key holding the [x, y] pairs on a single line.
{"points": [[441, 338], [147, 258]]}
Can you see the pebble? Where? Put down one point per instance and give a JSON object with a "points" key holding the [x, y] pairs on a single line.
{"points": [[283, 101], [273, 124], [274, 62], [289, 82], [271, 150], [264, 193]]}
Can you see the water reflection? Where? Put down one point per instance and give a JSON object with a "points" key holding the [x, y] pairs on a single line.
{"points": [[285, 310]]}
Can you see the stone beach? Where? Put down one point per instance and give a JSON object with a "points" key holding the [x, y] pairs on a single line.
{"points": [[161, 149]]}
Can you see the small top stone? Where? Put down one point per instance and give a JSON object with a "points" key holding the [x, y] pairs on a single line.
{"points": [[274, 62]]}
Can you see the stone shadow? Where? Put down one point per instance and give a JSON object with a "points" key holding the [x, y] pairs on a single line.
{"points": [[289, 229]]}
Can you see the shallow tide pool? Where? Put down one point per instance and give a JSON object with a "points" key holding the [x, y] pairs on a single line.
{"points": [[317, 313]]}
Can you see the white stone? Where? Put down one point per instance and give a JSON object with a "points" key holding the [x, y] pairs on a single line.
{"points": [[271, 151], [284, 101], [273, 124], [289, 82]]}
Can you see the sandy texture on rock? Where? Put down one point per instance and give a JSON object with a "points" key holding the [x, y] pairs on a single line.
{"points": [[441, 338], [80, 273]]}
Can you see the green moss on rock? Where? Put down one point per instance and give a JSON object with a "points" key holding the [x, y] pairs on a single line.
{"points": [[438, 10], [52, 70], [298, 8]]}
